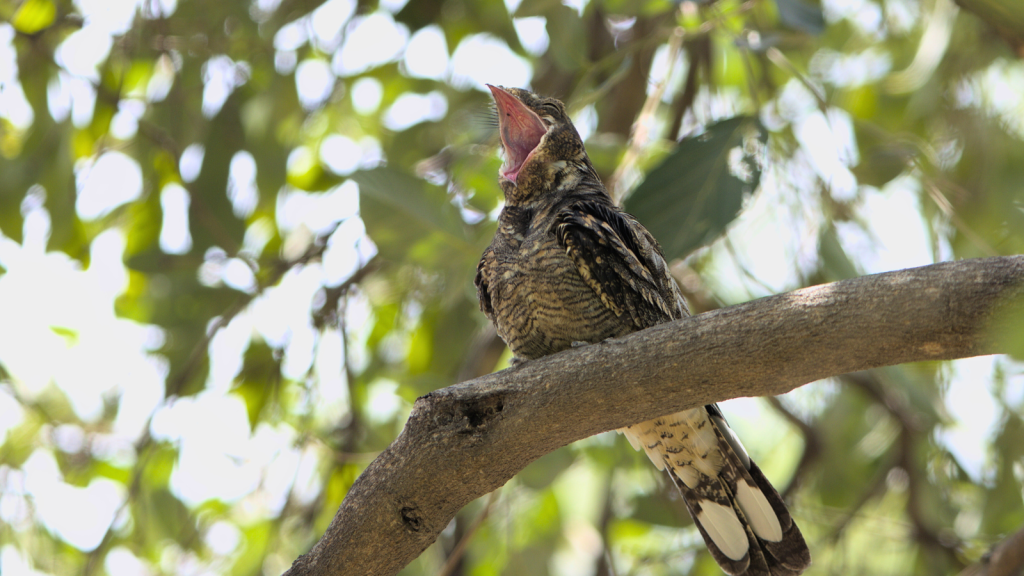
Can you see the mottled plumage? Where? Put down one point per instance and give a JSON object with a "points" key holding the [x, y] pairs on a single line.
{"points": [[566, 265]]}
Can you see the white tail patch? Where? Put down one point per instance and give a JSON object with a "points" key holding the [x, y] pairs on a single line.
{"points": [[724, 528], [758, 511]]}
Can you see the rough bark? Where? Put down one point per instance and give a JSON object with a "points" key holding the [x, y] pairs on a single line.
{"points": [[463, 441], [1007, 558]]}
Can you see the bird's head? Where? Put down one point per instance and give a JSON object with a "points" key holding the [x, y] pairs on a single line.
{"points": [[543, 151]]}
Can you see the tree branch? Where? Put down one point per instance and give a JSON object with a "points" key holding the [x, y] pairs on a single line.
{"points": [[463, 441], [1004, 559], [1007, 558]]}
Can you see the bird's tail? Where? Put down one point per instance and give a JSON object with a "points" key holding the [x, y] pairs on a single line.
{"points": [[761, 549], [741, 516]]}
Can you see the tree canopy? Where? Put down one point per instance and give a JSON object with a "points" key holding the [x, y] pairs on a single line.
{"points": [[239, 239]]}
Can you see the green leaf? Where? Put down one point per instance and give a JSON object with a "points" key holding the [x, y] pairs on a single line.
{"points": [[651, 508], [34, 15], [1006, 16], [11, 222], [568, 38], [801, 15], [529, 8], [543, 471], [412, 199], [639, 7], [1006, 326], [835, 263], [211, 216], [70, 336], [261, 372], [256, 539], [883, 157], [698, 189]]}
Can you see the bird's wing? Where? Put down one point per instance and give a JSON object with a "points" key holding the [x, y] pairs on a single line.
{"points": [[620, 260], [482, 289]]}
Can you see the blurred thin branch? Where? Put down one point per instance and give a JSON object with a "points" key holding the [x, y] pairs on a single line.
{"points": [[782, 61], [698, 48], [812, 445], [947, 208], [875, 488], [906, 447], [644, 123], [605, 562], [335, 312], [456, 555], [483, 355]]}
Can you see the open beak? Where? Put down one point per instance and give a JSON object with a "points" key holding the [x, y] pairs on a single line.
{"points": [[520, 128]]}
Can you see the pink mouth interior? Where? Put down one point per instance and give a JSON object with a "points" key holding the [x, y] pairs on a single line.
{"points": [[521, 131]]}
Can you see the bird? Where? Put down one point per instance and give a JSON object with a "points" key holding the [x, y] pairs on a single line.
{"points": [[568, 267]]}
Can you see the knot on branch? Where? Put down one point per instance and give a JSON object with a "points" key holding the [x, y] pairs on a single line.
{"points": [[479, 412], [468, 415], [411, 518]]}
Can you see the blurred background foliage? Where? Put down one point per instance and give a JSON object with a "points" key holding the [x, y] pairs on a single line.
{"points": [[239, 239]]}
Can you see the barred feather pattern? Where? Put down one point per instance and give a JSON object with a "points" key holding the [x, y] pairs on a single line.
{"points": [[565, 266]]}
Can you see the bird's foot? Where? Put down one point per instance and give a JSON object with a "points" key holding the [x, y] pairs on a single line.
{"points": [[579, 344]]}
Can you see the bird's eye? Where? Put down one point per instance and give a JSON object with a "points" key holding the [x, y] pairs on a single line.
{"points": [[547, 119]]}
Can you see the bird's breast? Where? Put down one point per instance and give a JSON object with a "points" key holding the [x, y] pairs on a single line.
{"points": [[542, 304]]}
